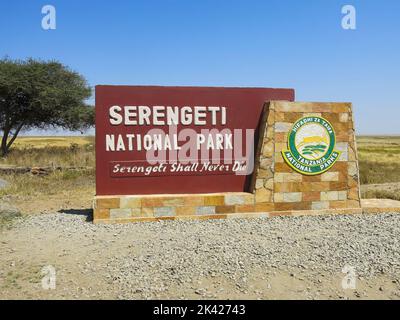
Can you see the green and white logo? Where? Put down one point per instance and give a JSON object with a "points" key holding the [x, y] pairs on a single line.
{"points": [[311, 143]]}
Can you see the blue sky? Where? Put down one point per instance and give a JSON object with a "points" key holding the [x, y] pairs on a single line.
{"points": [[280, 43]]}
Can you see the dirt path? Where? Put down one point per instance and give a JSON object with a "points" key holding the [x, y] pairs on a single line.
{"points": [[295, 258]]}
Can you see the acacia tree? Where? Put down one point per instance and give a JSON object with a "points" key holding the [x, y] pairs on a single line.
{"points": [[41, 94]]}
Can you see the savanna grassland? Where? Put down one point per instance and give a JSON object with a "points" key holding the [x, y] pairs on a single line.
{"points": [[73, 188], [379, 160]]}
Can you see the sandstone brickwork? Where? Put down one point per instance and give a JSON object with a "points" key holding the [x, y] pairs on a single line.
{"points": [[338, 188]]}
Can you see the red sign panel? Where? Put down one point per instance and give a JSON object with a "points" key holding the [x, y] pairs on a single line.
{"points": [[168, 140]]}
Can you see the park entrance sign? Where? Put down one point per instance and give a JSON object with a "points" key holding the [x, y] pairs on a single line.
{"points": [[172, 140], [203, 152]]}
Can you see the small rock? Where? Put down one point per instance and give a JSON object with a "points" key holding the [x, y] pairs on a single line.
{"points": [[3, 183]]}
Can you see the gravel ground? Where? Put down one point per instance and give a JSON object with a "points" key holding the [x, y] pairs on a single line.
{"points": [[295, 258]]}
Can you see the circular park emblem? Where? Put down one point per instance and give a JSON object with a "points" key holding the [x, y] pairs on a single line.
{"points": [[311, 143]]}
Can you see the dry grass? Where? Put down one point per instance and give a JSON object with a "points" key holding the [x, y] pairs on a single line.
{"points": [[51, 151], [379, 159], [52, 184], [380, 192], [61, 190], [42, 142]]}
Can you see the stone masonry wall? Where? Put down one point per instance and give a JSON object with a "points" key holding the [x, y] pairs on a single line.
{"points": [[337, 188]]}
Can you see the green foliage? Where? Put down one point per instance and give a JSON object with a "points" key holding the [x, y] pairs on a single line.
{"points": [[41, 94]]}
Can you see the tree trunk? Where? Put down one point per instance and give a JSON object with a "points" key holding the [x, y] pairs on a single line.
{"points": [[3, 147], [14, 136], [5, 144]]}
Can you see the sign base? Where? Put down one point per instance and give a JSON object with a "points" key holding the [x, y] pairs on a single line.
{"points": [[121, 209]]}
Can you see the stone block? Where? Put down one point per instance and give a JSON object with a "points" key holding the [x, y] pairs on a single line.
{"points": [[329, 195], [259, 183], [149, 201], [343, 147], [164, 211], [308, 179], [182, 211], [269, 132], [281, 137], [204, 210], [353, 182], [283, 106], [287, 206], [280, 187], [234, 199], [130, 202], [120, 213], [280, 146], [342, 195], [352, 168], [264, 174], [197, 200], [268, 149], [136, 212], [107, 203], [319, 205], [278, 158], [264, 207], [224, 209], [288, 177], [101, 214], [320, 186], [353, 194], [263, 195], [173, 201], [338, 185], [292, 197], [244, 208], [291, 117], [283, 167], [338, 204], [343, 117], [269, 184], [312, 196], [214, 200], [147, 212], [266, 163], [278, 197]]}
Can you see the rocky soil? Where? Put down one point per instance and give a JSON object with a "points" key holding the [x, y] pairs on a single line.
{"points": [[289, 258]]}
